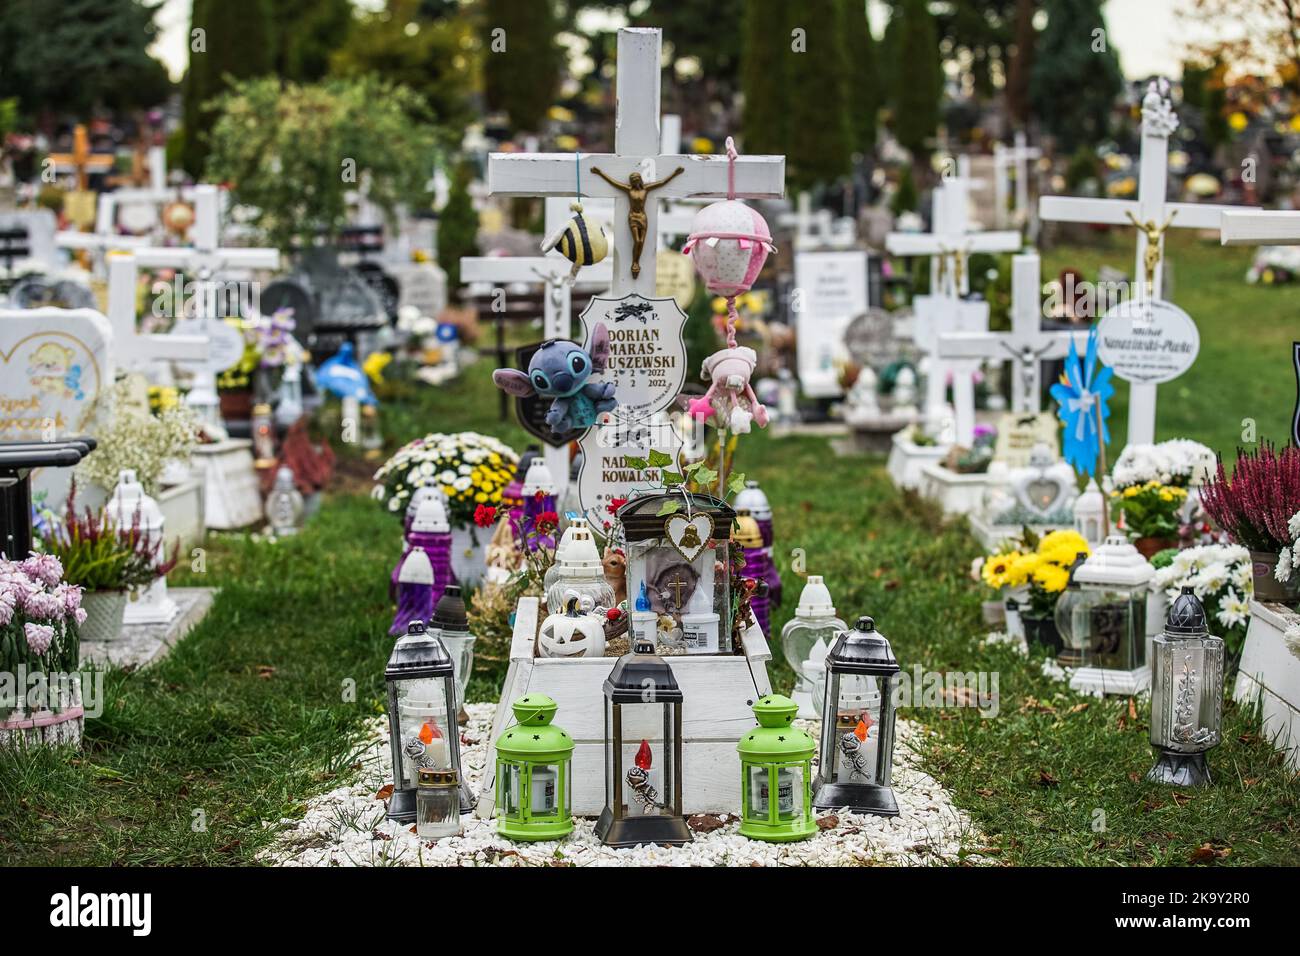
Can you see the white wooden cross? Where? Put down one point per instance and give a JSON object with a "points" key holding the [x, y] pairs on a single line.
{"points": [[1027, 345], [1005, 160], [132, 351], [636, 150], [1152, 211], [951, 240], [206, 254], [1260, 228]]}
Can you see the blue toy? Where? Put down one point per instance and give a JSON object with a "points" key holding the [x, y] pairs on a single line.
{"points": [[560, 370], [1084, 395], [341, 375]]}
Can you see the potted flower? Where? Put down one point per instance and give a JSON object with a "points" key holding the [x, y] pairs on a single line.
{"points": [[1287, 572], [1222, 575], [1152, 514], [1043, 567], [106, 562], [471, 469], [1256, 507], [993, 571], [40, 621]]}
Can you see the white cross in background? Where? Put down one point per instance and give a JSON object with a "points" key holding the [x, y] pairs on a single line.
{"points": [[952, 240], [636, 150], [1152, 215], [1027, 345], [817, 230], [200, 264], [135, 352], [1005, 160]]}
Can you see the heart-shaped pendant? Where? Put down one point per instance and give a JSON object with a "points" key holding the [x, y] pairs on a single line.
{"points": [[690, 536]]}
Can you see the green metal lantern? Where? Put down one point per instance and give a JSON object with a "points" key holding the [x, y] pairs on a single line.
{"points": [[533, 774], [776, 774]]}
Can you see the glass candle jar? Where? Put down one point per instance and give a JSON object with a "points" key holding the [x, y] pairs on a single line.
{"points": [[437, 804]]}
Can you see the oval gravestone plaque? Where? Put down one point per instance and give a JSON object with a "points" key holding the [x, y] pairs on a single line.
{"points": [[647, 360], [1148, 342], [531, 411]]}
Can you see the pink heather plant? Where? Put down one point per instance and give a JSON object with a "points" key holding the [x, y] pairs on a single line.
{"points": [[1262, 495], [39, 637], [39, 612]]}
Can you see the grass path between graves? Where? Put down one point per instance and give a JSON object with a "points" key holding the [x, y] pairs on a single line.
{"points": [[254, 713]]}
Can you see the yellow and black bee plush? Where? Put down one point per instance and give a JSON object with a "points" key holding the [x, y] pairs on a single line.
{"points": [[581, 241]]}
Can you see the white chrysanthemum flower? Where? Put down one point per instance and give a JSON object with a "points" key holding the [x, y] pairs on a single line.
{"points": [[462, 483], [1284, 566]]}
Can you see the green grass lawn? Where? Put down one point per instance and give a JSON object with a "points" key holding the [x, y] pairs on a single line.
{"points": [[259, 708]]}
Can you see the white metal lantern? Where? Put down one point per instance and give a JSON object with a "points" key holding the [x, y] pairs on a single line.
{"points": [[284, 505], [578, 569], [202, 398], [814, 625], [1103, 621], [422, 707], [857, 737], [130, 508], [1186, 695], [1090, 514]]}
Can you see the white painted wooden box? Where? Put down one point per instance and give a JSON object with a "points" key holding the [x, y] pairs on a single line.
{"points": [[232, 496], [906, 459], [956, 493], [719, 693], [182, 509], [1270, 673]]}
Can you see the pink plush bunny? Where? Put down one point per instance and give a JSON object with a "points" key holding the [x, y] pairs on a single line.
{"points": [[730, 398]]}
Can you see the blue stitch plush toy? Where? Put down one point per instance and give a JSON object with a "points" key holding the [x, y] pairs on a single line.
{"points": [[560, 370]]}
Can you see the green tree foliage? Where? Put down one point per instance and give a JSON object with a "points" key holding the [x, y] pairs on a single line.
{"points": [[294, 152], [765, 60], [429, 55], [307, 32], [522, 61], [919, 88], [865, 94], [821, 143], [457, 226], [69, 56], [904, 198], [1076, 76], [235, 43], [891, 45]]}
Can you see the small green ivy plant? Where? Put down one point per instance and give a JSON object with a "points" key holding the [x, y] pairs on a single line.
{"points": [[696, 473]]}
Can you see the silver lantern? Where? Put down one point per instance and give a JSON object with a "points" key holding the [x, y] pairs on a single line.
{"points": [[1186, 695]]}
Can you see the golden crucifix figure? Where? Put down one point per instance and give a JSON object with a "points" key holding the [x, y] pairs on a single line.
{"points": [[1151, 255], [637, 221]]}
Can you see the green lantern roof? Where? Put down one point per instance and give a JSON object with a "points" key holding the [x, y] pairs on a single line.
{"points": [[534, 737], [775, 738]]}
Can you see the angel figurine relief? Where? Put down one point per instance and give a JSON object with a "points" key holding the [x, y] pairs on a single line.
{"points": [[638, 222]]}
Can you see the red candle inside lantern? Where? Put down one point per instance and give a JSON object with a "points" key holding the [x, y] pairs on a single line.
{"points": [[643, 756]]}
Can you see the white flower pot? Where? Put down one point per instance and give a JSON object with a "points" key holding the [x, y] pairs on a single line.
{"points": [[104, 613]]}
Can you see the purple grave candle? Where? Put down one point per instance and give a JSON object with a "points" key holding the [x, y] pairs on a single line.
{"points": [[430, 531], [414, 592], [752, 499]]}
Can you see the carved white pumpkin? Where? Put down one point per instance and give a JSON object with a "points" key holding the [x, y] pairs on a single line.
{"points": [[571, 634]]}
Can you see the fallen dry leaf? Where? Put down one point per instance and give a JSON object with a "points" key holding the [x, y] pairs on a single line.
{"points": [[705, 822], [385, 792], [265, 671], [1045, 779], [828, 822], [1208, 852], [984, 791], [1132, 709], [1033, 703], [1182, 799], [1134, 776], [380, 835], [1078, 708]]}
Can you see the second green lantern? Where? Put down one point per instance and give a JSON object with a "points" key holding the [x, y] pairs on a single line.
{"points": [[776, 774], [533, 769]]}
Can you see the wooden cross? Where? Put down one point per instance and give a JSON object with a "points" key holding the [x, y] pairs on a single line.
{"points": [[1149, 211], [81, 160], [133, 351], [636, 150], [1027, 345], [951, 240], [1273, 228], [1006, 160]]}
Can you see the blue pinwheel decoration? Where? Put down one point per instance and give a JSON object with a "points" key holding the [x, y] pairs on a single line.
{"points": [[341, 375], [1085, 385]]}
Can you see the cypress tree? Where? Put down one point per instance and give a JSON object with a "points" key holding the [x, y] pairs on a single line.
{"points": [[865, 93], [521, 65], [765, 56], [235, 43], [821, 144], [918, 78], [457, 227], [1076, 76]]}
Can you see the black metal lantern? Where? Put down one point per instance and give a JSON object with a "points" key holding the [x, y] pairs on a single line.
{"points": [[643, 753], [422, 712], [857, 740]]}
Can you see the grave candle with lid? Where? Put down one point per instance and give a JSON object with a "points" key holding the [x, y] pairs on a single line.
{"points": [[752, 499], [1186, 695], [813, 626], [578, 568]]}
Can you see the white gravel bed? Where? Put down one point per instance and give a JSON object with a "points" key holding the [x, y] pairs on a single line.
{"points": [[347, 827]]}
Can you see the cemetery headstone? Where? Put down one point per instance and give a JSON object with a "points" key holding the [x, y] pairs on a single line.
{"points": [[830, 289]]}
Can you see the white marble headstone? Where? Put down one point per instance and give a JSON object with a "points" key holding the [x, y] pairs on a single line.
{"points": [[54, 366]]}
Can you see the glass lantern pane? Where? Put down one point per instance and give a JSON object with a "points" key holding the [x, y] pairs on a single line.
{"points": [[544, 787], [692, 600], [646, 768], [798, 638], [1187, 701], [1114, 629], [857, 729], [791, 792], [508, 790], [425, 731]]}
